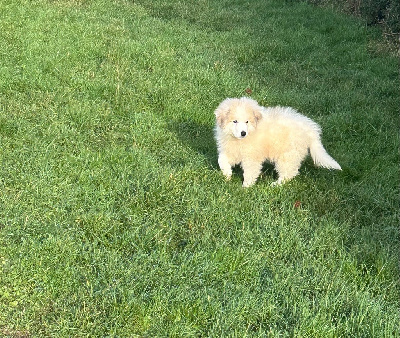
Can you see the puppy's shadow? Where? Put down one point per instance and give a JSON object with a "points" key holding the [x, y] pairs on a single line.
{"points": [[198, 137], [268, 172]]}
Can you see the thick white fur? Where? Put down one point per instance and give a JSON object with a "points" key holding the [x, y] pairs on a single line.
{"points": [[248, 134]]}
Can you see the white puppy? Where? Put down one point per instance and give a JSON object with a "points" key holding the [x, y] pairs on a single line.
{"points": [[248, 134]]}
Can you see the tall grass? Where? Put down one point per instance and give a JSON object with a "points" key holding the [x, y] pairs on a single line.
{"points": [[114, 217]]}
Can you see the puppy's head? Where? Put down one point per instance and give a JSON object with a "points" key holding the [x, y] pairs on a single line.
{"points": [[238, 117]]}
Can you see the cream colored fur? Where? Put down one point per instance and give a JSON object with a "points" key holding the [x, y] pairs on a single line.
{"points": [[248, 134]]}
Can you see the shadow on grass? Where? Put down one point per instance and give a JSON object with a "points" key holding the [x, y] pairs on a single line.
{"points": [[198, 137]]}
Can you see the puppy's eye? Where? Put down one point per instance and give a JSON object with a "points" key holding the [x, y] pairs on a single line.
{"points": [[247, 121], [234, 121]]}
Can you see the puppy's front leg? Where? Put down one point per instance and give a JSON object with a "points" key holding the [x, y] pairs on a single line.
{"points": [[251, 171], [225, 166]]}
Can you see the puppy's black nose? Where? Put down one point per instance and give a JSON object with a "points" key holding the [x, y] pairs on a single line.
{"points": [[243, 133]]}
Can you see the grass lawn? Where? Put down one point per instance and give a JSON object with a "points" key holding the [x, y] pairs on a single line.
{"points": [[114, 217]]}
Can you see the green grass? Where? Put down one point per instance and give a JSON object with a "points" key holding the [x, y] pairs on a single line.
{"points": [[114, 217]]}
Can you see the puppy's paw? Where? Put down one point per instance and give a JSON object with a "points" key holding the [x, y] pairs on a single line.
{"points": [[280, 181], [228, 177], [276, 183], [247, 184]]}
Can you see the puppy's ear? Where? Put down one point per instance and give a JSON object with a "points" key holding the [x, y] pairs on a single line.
{"points": [[222, 111], [257, 110], [257, 114], [221, 117]]}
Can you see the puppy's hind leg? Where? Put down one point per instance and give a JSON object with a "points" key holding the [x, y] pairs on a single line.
{"points": [[225, 166], [287, 167], [251, 171]]}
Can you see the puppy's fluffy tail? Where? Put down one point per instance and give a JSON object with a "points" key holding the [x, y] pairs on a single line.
{"points": [[321, 157]]}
